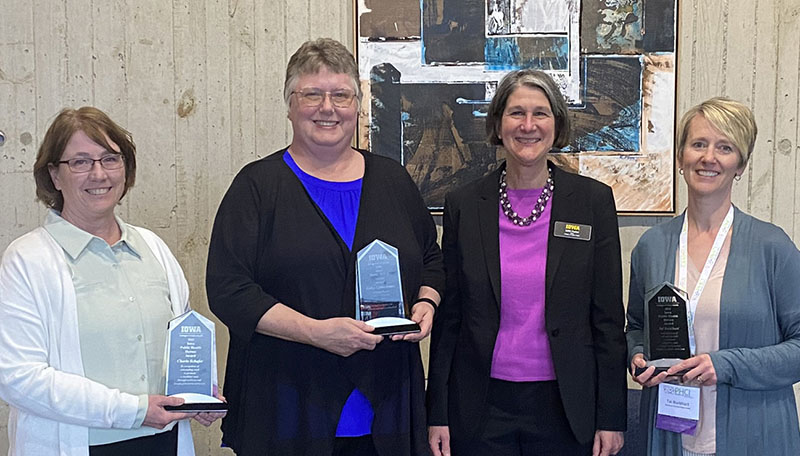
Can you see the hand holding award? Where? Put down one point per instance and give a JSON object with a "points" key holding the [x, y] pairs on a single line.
{"points": [[192, 364], [379, 291], [666, 329]]}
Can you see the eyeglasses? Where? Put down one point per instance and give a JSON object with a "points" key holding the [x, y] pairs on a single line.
{"points": [[84, 165], [311, 98]]}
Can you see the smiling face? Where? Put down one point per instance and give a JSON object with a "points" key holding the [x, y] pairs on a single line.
{"points": [[92, 196], [710, 160], [527, 128], [324, 126]]}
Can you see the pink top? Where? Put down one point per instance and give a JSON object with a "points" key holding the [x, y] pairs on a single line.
{"points": [[706, 335], [522, 351]]}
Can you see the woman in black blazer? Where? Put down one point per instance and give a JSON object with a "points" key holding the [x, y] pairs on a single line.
{"points": [[528, 349]]}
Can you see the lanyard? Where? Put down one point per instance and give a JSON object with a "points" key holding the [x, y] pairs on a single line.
{"points": [[701, 282]]}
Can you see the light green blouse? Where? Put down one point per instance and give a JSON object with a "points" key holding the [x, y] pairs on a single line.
{"points": [[123, 309]]}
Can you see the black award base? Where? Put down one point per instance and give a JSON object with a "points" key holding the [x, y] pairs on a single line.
{"points": [[389, 326], [196, 403]]}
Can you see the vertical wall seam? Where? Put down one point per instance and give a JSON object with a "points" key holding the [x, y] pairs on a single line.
{"points": [[694, 50], [725, 23], [753, 83], [773, 151]]}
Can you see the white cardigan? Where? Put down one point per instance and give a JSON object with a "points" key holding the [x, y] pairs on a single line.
{"points": [[52, 404]]}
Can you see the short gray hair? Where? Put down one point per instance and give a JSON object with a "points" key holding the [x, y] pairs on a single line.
{"points": [[312, 56], [537, 80]]}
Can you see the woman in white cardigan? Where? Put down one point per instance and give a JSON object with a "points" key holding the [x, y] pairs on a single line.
{"points": [[84, 305]]}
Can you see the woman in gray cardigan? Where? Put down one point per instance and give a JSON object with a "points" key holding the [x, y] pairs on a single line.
{"points": [[742, 277]]}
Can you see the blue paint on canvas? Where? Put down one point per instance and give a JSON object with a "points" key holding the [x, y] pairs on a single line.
{"points": [[539, 52], [502, 54], [622, 134]]}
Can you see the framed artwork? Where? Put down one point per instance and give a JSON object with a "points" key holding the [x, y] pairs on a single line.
{"points": [[429, 68]]}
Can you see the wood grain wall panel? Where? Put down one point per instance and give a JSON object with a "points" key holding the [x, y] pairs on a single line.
{"points": [[151, 116], [242, 84], [787, 140], [218, 100], [50, 78], [78, 54], [109, 55], [271, 59], [199, 84], [763, 29], [786, 163], [709, 63], [741, 54], [687, 52]]}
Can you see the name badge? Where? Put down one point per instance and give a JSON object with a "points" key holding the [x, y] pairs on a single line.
{"points": [[678, 408], [572, 231]]}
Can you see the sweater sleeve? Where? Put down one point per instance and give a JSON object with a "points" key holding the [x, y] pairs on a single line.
{"points": [[30, 334], [634, 333], [777, 365], [233, 293]]}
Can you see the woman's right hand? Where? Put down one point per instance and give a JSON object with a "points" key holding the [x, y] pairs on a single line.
{"points": [[439, 440], [157, 417], [646, 378], [343, 336]]}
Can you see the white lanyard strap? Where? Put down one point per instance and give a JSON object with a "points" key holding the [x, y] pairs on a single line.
{"points": [[703, 280]]}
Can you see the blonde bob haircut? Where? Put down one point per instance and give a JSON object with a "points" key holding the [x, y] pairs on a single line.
{"points": [[731, 118], [314, 55]]}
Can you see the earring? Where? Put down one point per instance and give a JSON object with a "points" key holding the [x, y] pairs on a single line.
{"points": [[680, 171], [737, 177]]}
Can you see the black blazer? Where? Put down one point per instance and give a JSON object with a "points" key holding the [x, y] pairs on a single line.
{"points": [[584, 315]]}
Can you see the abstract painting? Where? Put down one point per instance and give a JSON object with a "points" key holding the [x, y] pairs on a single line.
{"points": [[429, 68]]}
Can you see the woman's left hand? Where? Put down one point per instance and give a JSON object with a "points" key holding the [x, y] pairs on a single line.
{"points": [[206, 418], [607, 443], [700, 370], [422, 314]]}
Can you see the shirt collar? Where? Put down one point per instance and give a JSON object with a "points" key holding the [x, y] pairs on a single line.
{"points": [[74, 240]]}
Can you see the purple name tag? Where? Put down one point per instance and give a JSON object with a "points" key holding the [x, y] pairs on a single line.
{"points": [[675, 424]]}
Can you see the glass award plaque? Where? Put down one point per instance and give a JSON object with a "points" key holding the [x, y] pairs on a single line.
{"points": [[379, 290], [666, 335], [191, 363]]}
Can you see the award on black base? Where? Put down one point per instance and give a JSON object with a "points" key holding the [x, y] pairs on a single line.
{"points": [[666, 334], [379, 291], [191, 359]]}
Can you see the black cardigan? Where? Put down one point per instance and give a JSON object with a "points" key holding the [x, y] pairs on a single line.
{"points": [[270, 244]]}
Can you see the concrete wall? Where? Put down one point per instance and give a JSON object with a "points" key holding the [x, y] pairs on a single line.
{"points": [[199, 84]]}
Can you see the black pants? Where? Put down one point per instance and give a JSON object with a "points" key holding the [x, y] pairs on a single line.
{"points": [[163, 444], [354, 446], [527, 419]]}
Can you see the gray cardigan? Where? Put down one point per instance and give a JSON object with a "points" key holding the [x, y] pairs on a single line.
{"points": [[759, 337]]}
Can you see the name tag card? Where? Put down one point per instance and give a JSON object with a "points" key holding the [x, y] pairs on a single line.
{"points": [[678, 408], [570, 230]]}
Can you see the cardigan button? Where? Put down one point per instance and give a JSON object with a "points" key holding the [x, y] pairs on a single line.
{"points": [[554, 333]]}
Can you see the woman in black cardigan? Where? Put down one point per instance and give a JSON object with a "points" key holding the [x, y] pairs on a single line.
{"points": [[303, 376]]}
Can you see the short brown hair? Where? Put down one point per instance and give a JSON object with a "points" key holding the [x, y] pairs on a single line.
{"points": [[97, 126], [733, 119], [312, 56], [537, 80]]}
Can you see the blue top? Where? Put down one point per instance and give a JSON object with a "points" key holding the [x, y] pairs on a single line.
{"points": [[339, 202]]}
